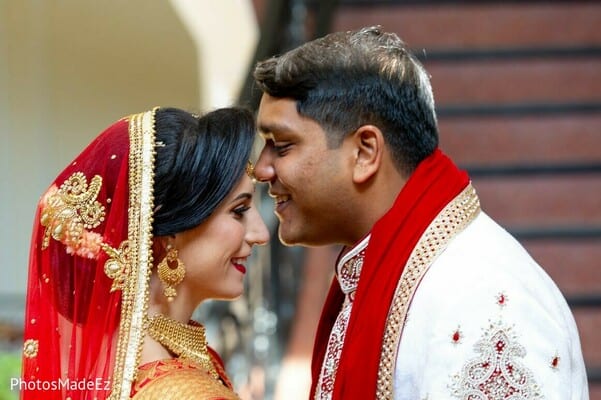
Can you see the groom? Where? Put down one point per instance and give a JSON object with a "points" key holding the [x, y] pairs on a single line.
{"points": [[431, 298]]}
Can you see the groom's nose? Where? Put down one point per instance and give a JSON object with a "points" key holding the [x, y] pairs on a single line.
{"points": [[264, 169]]}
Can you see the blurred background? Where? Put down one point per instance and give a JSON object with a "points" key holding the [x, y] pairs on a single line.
{"points": [[518, 92]]}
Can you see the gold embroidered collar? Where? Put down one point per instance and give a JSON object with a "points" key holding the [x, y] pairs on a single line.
{"points": [[349, 266]]}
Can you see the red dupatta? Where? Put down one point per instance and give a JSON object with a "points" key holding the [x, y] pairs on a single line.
{"points": [[89, 267], [435, 182]]}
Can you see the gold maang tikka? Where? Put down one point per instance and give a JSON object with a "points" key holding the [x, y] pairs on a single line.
{"points": [[250, 170]]}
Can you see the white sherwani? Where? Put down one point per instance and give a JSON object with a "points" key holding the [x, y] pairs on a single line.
{"points": [[473, 317], [486, 322]]}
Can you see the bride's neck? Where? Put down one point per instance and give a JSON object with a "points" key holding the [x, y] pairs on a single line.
{"points": [[179, 309]]}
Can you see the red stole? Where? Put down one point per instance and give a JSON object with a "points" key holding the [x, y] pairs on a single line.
{"points": [[434, 183]]}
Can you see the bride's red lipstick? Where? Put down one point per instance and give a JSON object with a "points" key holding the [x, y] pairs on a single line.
{"points": [[240, 268]]}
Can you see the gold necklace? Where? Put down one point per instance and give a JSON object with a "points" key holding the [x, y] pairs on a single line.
{"points": [[184, 340]]}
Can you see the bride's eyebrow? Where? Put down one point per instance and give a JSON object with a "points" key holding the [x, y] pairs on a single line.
{"points": [[244, 195]]}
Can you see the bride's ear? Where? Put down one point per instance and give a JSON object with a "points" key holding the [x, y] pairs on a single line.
{"points": [[160, 245]]}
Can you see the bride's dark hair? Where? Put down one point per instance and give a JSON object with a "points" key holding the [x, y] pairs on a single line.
{"points": [[198, 162]]}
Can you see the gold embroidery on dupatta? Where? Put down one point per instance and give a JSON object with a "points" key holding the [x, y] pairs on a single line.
{"points": [[116, 267], [449, 222], [135, 296], [70, 211], [30, 348]]}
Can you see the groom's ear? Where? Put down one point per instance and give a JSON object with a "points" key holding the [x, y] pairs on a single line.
{"points": [[368, 148]]}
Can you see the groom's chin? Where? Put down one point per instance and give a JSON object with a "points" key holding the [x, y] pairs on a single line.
{"points": [[288, 236]]}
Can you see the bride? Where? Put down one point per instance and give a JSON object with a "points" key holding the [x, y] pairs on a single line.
{"points": [[152, 218]]}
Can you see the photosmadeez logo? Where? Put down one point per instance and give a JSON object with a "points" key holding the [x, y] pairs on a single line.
{"points": [[98, 384]]}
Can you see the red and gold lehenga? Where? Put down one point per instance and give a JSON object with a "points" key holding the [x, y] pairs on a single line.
{"points": [[90, 263]]}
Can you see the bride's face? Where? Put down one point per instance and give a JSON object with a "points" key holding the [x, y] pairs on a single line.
{"points": [[216, 252]]}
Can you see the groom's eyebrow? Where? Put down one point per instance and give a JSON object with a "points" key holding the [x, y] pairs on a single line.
{"points": [[268, 129]]}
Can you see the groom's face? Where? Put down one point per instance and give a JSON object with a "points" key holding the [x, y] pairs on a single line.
{"points": [[307, 179]]}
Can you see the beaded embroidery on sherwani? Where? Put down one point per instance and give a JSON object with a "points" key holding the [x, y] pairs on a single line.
{"points": [[348, 271], [496, 372], [448, 223]]}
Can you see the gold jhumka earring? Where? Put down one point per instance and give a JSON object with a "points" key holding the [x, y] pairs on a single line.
{"points": [[171, 277]]}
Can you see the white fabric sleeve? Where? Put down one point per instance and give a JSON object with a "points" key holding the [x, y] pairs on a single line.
{"points": [[487, 321]]}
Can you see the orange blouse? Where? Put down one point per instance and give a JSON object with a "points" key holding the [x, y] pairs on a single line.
{"points": [[181, 379]]}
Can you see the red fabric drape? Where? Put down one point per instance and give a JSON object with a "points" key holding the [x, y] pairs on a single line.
{"points": [[72, 317], [435, 182]]}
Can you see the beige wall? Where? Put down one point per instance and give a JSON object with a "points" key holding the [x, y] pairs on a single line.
{"points": [[69, 68]]}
